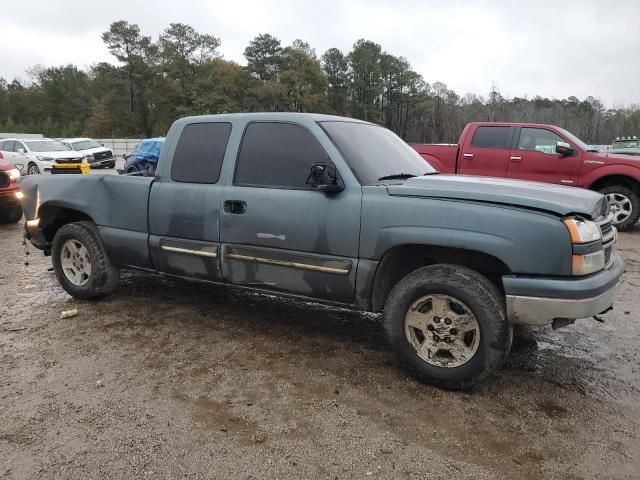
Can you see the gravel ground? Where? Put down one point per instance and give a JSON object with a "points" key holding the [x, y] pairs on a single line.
{"points": [[171, 379]]}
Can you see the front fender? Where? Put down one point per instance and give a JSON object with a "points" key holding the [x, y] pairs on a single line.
{"points": [[526, 241], [618, 169]]}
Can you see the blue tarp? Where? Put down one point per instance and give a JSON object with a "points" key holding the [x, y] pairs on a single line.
{"points": [[149, 149]]}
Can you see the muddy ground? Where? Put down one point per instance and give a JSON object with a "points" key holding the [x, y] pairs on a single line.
{"points": [[167, 379]]}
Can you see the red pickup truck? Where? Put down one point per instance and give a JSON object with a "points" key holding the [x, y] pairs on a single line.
{"points": [[10, 208], [544, 153]]}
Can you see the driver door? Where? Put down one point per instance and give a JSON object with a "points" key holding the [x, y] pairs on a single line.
{"points": [[276, 231], [534, 157]]}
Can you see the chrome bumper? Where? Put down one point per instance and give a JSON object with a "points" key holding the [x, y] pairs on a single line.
{"points": [[538, 310]]}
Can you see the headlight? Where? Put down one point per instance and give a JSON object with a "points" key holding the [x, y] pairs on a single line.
{"points": [[586, 264], [14, 174], [45, 159], [582, 231]]}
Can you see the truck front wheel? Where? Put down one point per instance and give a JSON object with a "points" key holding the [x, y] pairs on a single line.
{"points": [[80, 262], [448, 325], [624, 204]]}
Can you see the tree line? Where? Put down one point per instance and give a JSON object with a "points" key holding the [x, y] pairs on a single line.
{"points": [[182, 73]]}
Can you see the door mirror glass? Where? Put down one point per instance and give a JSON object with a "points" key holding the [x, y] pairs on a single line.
{"points": [[563, 148], [324, 177], [20, 150]]}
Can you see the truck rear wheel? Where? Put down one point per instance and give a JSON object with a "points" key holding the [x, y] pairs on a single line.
{"points": [[80, 262], [448, 325], [625, 205]]}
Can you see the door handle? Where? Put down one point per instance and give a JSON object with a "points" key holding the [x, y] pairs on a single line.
{"points": [[467, 155], [235, 207], [515, 159]]}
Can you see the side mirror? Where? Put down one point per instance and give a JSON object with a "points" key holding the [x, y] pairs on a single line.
{"points": [[20, 150], [564, 149], [324, 177]]}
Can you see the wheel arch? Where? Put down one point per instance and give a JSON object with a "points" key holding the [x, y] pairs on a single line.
{"points": [[53, 216], [615, 179], [401, 260]]}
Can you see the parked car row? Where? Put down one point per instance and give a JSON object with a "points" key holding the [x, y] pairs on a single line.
{"points": [[34, 156]]}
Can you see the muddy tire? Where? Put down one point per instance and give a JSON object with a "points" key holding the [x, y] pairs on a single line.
{"points": [[447, 323], [625, 205], [80, 262]]}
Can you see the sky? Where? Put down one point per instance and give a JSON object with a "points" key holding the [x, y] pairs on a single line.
{"points": [[537, 47]]}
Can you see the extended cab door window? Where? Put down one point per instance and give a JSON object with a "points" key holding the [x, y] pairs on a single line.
{"points": [[487, 152], [199, 153], [534, 157]]}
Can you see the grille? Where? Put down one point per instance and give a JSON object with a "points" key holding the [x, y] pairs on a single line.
{"points": [[68, 160], [607, 254], [103, 155], [606, 228], [4, 180]]}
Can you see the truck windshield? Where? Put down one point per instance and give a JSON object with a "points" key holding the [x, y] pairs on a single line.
{"points": [[85, 145], [46, 146], [374, 152]]}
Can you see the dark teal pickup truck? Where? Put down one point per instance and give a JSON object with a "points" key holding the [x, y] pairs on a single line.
{"points": [[343, 212]]}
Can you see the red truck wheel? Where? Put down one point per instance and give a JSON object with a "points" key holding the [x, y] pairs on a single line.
{"points": [[624, 204]]}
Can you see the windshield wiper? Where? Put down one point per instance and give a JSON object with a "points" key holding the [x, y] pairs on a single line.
{"points": [[397, 176], [403, 176]]}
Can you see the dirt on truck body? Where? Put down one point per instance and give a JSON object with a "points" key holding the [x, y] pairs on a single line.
{"points": [[171, 379]]}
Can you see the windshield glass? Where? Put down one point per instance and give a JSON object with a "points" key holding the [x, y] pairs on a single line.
{"points": [[85, 145], [575, 140], [374, 152], [626, 143], [46, 146]]}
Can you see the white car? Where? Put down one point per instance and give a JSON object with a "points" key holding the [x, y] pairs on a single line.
{"points": [[36, 156], [94, 153]]}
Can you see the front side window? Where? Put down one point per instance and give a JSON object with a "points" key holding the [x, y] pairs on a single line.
{"points": [[375, 153], [200, 152], [277, 155], [491, 137], [538, 140]]}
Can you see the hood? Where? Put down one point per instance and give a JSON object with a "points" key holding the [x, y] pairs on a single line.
{"points": [[540, 196], [612, 158], [56, 155], [4, 165], [91, 151]]}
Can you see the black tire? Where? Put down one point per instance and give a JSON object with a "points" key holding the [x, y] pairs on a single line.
{"points": [[33, 169], [104, 276], [634, 199], [485, 302], [12, 215]]}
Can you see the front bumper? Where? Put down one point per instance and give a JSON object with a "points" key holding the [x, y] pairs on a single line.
{"points": [[541, 300], [103, 162]]}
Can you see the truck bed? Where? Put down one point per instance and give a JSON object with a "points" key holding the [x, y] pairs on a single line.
{"points": [[441, 156]]}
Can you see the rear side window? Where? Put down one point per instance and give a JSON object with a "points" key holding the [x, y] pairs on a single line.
{"points": [[491, 137], [277, 155], [8, 146], [199, 153]]}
